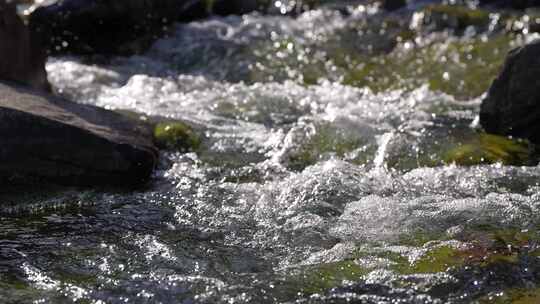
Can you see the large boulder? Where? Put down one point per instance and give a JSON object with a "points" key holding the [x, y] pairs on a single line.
{"points": [[392, 5], [109, 27], [512, 105], [47, 138], [121, 26], [21, 58]]}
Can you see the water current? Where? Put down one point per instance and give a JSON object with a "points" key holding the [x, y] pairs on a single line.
{"points": [[323, 174]]}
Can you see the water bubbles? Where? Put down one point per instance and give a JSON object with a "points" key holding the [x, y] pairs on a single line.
{"points": [[446, 76]]}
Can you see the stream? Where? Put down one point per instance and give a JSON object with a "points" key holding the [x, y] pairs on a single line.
{"points": [[326, 170]]}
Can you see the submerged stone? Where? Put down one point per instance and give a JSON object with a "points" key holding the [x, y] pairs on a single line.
{"points": [[438, 259], [323, 277], [511, 107], [454, 17], [487, 148], [50, 139], [309, 142]]}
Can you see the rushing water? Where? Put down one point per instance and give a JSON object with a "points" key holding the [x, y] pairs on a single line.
{"points": [[319, 178]]}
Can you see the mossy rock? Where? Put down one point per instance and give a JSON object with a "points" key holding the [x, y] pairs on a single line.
{"points": [[488, 149], [454, 16], [438, 259], [176, 136], [463, 68], [323, 277], [460, 66], [503, 239]]}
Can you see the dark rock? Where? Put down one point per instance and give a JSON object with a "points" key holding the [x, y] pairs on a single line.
{"points": [[130, 26], [21, 59], [512, 105], [392, 5], [237, 7], [121, 26], [456, 17], [109, 27], [515, 4], [49, 138]]}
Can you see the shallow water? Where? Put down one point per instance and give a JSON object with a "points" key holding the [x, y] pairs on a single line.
{"points": [[317, 181]]}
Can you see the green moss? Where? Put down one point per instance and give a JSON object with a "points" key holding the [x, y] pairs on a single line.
{"points": [[330, 140], [19, 293], [419, 238], [176, 135], [455, 16], [463, 68], [438, 259], [494, 245], [382, 53], [488, 149], [322, 277], [505, 240], [406, 34]]}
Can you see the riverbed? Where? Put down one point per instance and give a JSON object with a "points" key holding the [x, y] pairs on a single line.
{"points": [[326, 173]]}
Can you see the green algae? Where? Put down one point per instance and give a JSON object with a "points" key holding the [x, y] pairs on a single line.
{"points": [[438, 259], [420, 238], [487, 149], [329, 140], [463, 68], [389, 58], [176, 136], [168, 134], [455, 16], [461, 145], [484, 247], [322, 277], [15, 292]]}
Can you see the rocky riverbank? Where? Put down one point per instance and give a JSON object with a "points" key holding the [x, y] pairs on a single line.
{"points": [[49, 139]]}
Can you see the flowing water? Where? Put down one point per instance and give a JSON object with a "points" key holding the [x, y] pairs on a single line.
{"points": [[324, 173]]}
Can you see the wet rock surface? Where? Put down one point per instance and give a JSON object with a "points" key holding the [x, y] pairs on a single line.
{"points": [[52, 139], [511, 106]]}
